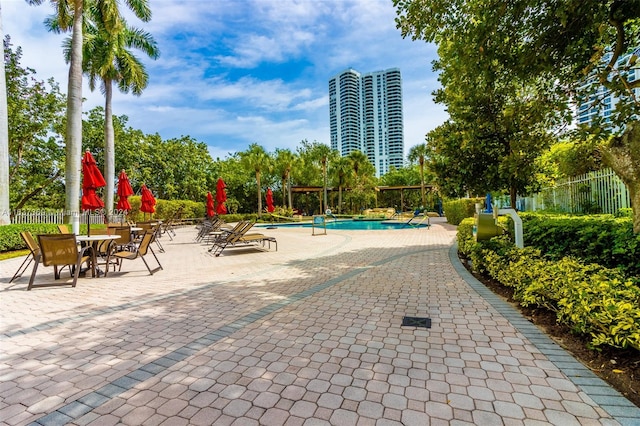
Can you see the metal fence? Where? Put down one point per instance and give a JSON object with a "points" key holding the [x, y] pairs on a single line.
{"points": [[601, 191], [57, 217]]}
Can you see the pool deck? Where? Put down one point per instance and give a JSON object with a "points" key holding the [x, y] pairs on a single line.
{"points": [[310, 334]]}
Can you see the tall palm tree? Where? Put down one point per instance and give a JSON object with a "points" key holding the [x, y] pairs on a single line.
{"points": [[362, 175], [285, 160], [341, 168], [419, 153], [111, 61], [5, 218], [69, 13], [323, 153], [107, 59], [256, 159], [358, 161]]}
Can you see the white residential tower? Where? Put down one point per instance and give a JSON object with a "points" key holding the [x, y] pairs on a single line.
{"points": [[365, 114]]}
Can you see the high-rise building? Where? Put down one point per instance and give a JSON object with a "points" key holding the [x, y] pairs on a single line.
{"points": [[365, 114], [602, 102]]}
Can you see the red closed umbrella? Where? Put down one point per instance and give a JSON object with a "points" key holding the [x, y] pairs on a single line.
{"points": [[270, 207], [221, 197], [210, 211], [124, 192], [92, 179], [147, 201]]}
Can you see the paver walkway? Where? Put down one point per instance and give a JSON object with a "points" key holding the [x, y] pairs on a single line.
{"points": [[309, 335]]}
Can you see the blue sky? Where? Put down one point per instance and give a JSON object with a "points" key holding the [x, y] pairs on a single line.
{"points": [[236, 72]]}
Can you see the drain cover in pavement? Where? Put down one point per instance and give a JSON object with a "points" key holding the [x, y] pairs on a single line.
{"points": [[416, 322]]}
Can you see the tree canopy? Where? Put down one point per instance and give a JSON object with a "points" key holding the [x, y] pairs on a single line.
{"points": [[525, 61]]}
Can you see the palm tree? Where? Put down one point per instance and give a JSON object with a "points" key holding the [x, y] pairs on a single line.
{"points": [[70, 17], [341, 168], [107, 58], [419, 153], [112, 62], [256, 159], [5, 218], [358, 161], [285, 160], [323, 152]]}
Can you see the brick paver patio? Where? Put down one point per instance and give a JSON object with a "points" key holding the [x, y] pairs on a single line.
{"points": [[310, 334]]}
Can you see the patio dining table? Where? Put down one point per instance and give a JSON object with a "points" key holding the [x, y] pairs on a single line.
{"points": [[94, 240]]}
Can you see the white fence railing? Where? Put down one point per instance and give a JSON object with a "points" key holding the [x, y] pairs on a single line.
{"points": [[601, 191], [57, 217]]}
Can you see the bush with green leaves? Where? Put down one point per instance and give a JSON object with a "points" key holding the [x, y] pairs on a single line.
{"points": [[591, 299], [10, 238], [457, 210], [603, 239]]}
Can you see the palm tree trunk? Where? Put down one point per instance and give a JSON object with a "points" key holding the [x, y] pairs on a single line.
{"points": [[289, 191], [284, 193], [73, 139], [324, 184], [5, 217], [259, 194], [109, 150], [422, 183]]}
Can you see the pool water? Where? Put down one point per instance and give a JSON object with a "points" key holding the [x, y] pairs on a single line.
{"points": [[352, 225]]}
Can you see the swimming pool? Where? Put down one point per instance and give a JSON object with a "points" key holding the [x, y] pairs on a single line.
{"points": [[351, 225]]}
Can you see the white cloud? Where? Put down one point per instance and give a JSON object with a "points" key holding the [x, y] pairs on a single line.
{"points": [[234, 72]]}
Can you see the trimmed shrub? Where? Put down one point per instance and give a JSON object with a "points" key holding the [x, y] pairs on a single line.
{"points": [[591, 299], [457, 210], [602, 239]]}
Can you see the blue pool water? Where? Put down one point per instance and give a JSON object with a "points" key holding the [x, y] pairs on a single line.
{"points": [[350, 225]]}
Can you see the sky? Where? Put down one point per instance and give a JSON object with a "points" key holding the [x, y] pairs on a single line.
{"points": [[236, 72]]}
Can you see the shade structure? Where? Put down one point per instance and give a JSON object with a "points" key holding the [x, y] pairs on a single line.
{"points": [[92, 179], [221, 197], [210, 209], [270, 207], [124, 192], [147, 201]]}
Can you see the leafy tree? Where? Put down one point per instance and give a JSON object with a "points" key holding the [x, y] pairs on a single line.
{"points": [[257, 160], [240, 197], [577, 45], [35, 111], [505, 116], [570, 158]]}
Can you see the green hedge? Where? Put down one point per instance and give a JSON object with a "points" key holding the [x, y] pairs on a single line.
{"points": [[591, 299], [603, 239], [457, 210], [10, 238]]}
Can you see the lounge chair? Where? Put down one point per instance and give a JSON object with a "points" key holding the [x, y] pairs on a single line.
{"points": [[140, 251], [238, 237], [34, 254], [229, 237], [59, 250]]}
